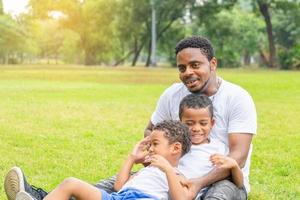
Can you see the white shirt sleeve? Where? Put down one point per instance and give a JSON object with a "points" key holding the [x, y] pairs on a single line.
{"points": [[242, 115], [162, 111]]}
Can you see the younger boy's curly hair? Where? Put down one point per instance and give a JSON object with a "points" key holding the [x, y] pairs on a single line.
{"points": [[175, 131]]}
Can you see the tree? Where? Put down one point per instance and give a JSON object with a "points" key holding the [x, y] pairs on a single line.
{"points": [[1, 8], [236, 34], [131, 29], [264, 6], [287, 29], [168, 12], [12, 39], [92, 20], [134, 24]]}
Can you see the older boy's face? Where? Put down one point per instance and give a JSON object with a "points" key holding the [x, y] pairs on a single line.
{"points": [[199, 122], [159, 144]]}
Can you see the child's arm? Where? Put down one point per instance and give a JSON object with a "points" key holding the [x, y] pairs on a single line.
{"points": [[231, 164], [176, 190], [137, 155]]}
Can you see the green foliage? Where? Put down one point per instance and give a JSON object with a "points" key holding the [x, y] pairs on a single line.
{"points": [[69, 49], [287, 28], [91, 20], [95, 32], [134, 25], [12, 38], [170, 38], [1, 8], [235, 34]]}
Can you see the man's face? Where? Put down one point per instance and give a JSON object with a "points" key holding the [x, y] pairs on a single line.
{"points": [[195, 69], [159, 144], [199, 122]]}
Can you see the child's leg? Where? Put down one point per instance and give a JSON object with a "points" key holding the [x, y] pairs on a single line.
{"points": [[76, 188]]}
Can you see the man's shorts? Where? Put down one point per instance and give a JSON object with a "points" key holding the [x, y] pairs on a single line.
{"points": [[127, 194]]}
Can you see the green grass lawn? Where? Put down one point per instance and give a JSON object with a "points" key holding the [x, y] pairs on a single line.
{"points": [[78, 121]]}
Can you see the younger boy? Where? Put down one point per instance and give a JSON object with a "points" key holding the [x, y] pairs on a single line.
{"points": [[169, 141]]}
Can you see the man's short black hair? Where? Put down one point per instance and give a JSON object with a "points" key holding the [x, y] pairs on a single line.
{"points": [[175, 131], [202, 43], [196, 101]]}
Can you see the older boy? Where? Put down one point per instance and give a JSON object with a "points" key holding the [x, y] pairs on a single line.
{"points": [[196, 111]]}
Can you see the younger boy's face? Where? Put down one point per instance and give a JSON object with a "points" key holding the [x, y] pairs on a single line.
{"points": [[159, 144], [199, 122]]}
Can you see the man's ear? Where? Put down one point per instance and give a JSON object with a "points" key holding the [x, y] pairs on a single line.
{"points": [[213, 64], [213, 122], [177, 148]]}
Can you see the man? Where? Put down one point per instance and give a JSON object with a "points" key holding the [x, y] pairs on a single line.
{"points": [[234, 112]]}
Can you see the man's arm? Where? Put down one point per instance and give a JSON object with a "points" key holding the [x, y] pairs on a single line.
{"points": [[239, 145], [148, 129]]}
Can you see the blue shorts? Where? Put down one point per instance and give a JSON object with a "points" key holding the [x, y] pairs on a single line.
{"points": [[127, 194]]}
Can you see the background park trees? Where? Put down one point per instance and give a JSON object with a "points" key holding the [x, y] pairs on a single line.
{"points": [[100, 32]]}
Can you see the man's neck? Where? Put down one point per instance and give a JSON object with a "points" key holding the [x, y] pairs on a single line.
{"points": [[213, 86]]}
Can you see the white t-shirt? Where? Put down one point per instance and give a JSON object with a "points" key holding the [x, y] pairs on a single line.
{"points": [[234, 112], [196, 162], [150, 180]]}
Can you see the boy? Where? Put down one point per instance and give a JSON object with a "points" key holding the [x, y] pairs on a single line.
{"points": [[196, 111], [169, 141]]}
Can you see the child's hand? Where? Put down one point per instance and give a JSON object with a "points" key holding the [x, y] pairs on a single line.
{"points": [[190, 187], [140, 150], [222, 161], [160, 162]]}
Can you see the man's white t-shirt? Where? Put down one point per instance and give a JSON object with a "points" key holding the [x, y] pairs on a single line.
{"points": [[234, 112]]}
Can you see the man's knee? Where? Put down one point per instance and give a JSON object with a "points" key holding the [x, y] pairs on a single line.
{"points": [[225, 190], [107, 184]]}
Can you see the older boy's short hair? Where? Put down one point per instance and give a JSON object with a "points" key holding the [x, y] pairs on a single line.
{"points": [[196, 101], [203, 44], [175, 131]]}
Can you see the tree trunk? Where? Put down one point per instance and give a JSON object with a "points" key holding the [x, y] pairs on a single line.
{"points": [[56, 58], [89, 58], [149, 55], [264, 9], [263, 58], [159, 35], [6, 58], [247, 58], [123, 58], [137, 51]]}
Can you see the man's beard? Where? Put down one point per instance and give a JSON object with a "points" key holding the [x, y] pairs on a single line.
{"points": [[203, 88]]}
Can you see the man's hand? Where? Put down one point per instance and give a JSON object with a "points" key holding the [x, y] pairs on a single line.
{"points": [[161, 163], [223, 162], [140, 150]]}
